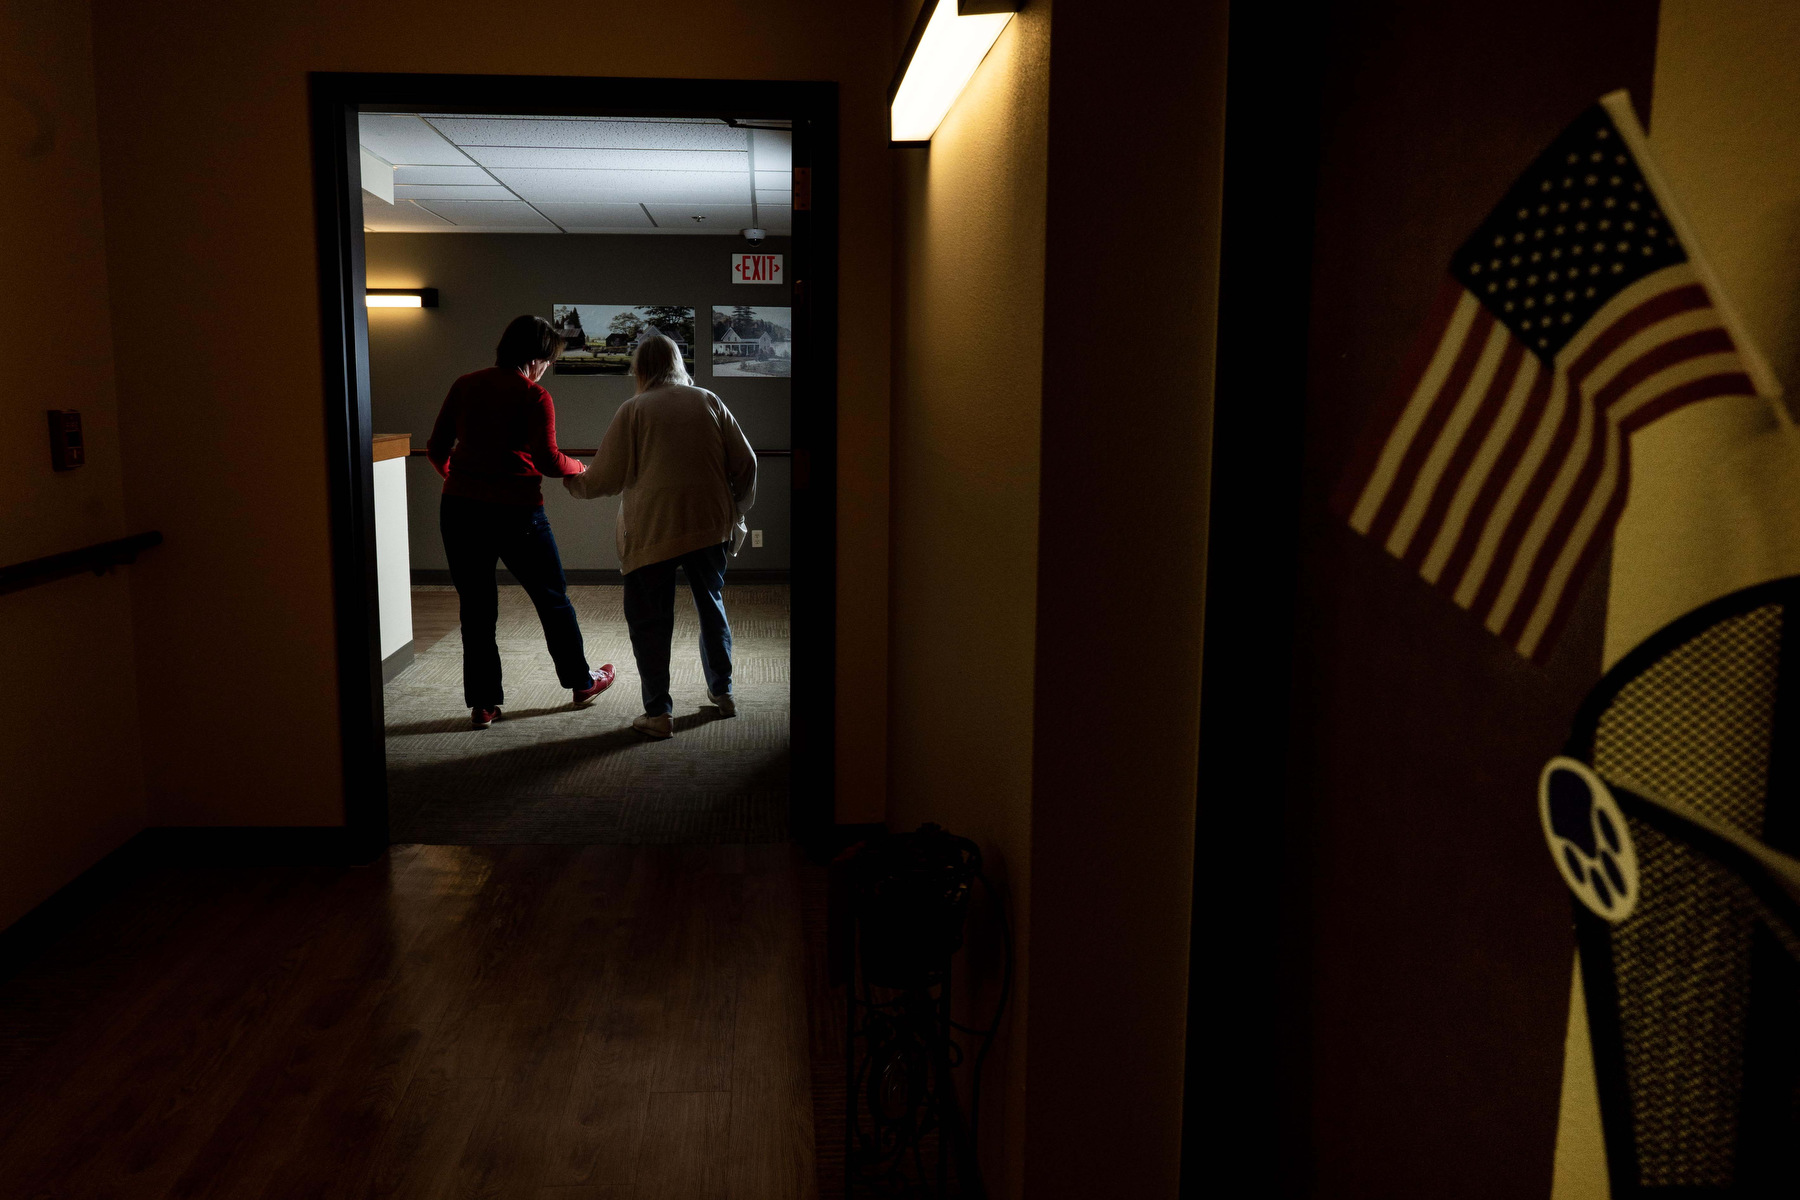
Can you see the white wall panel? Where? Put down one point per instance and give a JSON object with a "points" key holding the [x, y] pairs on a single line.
{"points": [[597, 216], [488, 214], [597, 187], [452, 191], [611, 159], [405, 140], [393, 555], [623, 135], [719, 217]]}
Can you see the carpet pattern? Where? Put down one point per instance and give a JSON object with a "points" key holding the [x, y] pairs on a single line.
{"points": [[549, 773]]}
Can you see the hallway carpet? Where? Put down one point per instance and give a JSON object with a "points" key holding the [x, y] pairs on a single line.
{"points": [[547, 772], [539, 1022]]}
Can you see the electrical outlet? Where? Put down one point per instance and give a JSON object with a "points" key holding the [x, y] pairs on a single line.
{"points": [[756, 538]]}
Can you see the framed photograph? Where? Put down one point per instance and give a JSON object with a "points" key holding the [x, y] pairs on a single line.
{"points": [[598, 338], [752, 340]]}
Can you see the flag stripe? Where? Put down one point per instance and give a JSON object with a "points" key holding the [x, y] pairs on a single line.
{"points": [[1575, 416], [1657, 308], [1602, 437], [1384, 427], [1474, 435], [1420, 441], [1505, 464], [1707, 388], [1443, 444], [1550, 574], [1514, 410]]}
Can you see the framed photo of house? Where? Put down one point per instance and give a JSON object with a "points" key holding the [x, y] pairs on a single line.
{"points": [[598, 339], [752, 340]]}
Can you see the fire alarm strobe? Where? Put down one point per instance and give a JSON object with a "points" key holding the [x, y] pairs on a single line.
{"points": [[66, 450]]}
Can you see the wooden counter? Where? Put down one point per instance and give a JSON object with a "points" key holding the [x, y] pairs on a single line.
{"points": [[392, 445]]}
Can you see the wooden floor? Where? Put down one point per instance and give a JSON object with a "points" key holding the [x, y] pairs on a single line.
{"points": [[435, 612], [542, 1022]]}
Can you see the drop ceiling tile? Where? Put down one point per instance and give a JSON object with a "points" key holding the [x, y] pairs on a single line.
{"points": [[774, 149], [720, 218], [774, 181], [611, 159], [488, 214], [627, 187], [405, 140], [419, 176], [773, 201], [589, 135], [381, 217], [452, 191], [597, 216], [467, 116]]}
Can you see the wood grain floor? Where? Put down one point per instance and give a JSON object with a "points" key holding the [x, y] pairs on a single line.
{"points": [[435, 612], [540, 1022]]}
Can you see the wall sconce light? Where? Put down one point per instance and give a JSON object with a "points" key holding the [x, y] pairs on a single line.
{"points": [[948, 42], [401, 297]]}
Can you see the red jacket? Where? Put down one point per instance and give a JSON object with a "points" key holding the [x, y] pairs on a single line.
{"points": [[495, 438]]}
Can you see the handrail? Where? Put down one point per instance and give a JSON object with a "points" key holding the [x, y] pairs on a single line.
{"points": [[590, 451], [98, 558]]}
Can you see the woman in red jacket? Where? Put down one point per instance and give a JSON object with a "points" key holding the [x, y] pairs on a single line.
{"points": [[494, 440]]}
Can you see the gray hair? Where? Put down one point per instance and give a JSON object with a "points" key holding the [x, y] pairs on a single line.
{"points": [[657, 362]]}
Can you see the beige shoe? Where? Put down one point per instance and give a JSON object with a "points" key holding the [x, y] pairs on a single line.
{"points": [[656, 725], [725, 704]]}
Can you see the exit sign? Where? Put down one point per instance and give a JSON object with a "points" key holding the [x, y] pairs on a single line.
{"points": [[756, 268]]}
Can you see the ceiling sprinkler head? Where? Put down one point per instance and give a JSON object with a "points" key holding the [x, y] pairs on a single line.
{"points": [[697, 220]]}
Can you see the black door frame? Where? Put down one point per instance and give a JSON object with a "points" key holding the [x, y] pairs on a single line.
{"points": [[1248, 1047], [336, 100]]}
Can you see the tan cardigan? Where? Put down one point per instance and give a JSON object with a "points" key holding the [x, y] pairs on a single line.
{"points": [[685, 467]]}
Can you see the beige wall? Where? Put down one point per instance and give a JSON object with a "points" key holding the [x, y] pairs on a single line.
{"points": [[1137, 114], [1715, 496], [1047, 555], [1715, 489], [70, 785], [969, 325], [210, 233]]}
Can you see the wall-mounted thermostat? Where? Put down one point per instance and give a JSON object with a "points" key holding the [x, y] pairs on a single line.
{"points": [[66, 450]]}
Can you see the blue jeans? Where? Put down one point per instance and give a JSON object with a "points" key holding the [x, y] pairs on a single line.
{"points": [[476, 533], [650, 612]]}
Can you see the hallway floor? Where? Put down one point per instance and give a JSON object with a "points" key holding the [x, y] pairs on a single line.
{"points": [[548, 772], [541, 1022]]}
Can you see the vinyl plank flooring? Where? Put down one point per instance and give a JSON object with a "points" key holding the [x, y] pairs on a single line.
{"points": [[530, 1022], [679, 1158], [769, 1152], [435, 613]]}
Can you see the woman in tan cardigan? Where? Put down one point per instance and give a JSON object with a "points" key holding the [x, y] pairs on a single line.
{"points": [[688, 475]]}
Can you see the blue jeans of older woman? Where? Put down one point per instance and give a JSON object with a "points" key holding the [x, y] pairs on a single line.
{"points": [[650, 613]]}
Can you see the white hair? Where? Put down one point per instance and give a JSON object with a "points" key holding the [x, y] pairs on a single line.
{"points": [[657, 362]]}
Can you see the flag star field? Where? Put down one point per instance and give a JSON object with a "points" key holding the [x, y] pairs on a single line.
{"points": [[1576, 229]]}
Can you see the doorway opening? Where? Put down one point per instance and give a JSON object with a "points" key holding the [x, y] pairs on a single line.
{"points": [[703, 210]]}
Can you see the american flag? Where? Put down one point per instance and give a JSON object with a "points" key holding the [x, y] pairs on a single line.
{"points": [[1573, 316]]}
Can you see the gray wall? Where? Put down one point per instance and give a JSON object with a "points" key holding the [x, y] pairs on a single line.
{"points": [[486, 279]]}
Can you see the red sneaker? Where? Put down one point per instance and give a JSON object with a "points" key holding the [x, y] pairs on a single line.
{"points": [[481, 718], [603, 679]]}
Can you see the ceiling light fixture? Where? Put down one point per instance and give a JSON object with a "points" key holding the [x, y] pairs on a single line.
{"points": [[401, 297], [948, 42]]}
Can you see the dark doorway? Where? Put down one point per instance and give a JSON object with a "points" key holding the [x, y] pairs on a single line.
{"points": [[810, 110]]}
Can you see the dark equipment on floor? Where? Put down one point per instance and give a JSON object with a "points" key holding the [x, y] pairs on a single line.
{"points": [[903, 903]]}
